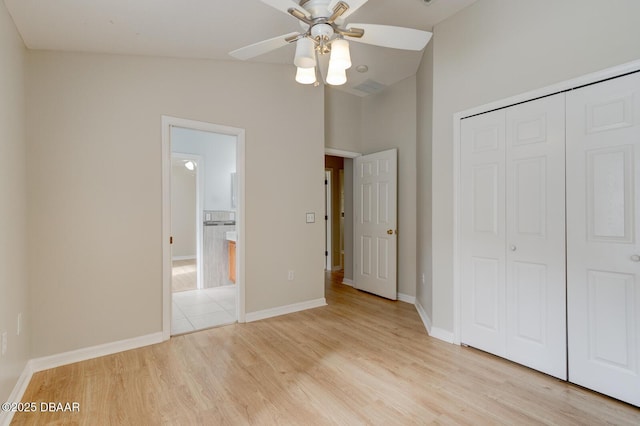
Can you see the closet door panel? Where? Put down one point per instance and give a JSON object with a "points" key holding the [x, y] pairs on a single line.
{"points": [[483, 232], [535, 217], [603, 256]]}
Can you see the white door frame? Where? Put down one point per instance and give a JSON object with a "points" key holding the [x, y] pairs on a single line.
{"points": [[503, 103], [328, 218], [167, 123], [199, 199]]}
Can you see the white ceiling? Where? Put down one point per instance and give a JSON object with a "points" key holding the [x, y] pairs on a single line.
{"points": [[212, 28]]}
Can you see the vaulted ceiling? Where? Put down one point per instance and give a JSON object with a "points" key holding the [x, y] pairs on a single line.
{"points": [[212, 28]]}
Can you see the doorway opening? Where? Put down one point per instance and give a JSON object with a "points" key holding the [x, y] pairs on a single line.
{"points": [[203, 194], [340, 225]]}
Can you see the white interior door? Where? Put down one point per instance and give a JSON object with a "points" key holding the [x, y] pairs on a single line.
{"points": [[535, 235], [603, 257], [375, 208], [483, 232]]}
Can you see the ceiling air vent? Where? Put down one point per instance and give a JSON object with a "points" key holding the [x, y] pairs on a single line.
{"points": [[370, 87]]}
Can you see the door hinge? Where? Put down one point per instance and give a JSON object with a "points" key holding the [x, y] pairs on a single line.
{"points": [[326, 253], [326, 217], [170, 240], [326, 182]]}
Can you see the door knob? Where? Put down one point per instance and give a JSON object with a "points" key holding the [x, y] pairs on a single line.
{"points": [[512, 248], [635, 258], [390, 231]]}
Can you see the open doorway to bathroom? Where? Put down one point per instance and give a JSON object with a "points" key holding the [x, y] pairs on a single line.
{"points": [[204, 207]]}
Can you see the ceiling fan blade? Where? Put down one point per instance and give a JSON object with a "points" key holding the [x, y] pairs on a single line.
{"points": [[353, 6], [285, 5], [262, 47], [339, 10], [393, 37]]}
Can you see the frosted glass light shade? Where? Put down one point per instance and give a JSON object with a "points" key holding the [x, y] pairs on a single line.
{"points": [[340, 55], [336, 75], [306, 75], [305, 55]]}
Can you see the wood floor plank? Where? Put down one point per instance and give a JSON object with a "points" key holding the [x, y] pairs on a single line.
{"points": [[359, 360]]}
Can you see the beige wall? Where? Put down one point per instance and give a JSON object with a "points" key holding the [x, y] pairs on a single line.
{"points": [[389, 121], [14, 292], [499, 48], [94, 149], [424, 250], [343, 120]]}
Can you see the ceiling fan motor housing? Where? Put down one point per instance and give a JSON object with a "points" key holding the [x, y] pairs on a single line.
{"points": [[317, 8], [322, 31]]}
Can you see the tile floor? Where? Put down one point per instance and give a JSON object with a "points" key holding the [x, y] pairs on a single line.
{"points": [[197, 309]]}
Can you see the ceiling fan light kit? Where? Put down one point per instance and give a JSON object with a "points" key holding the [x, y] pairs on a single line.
{"points": [[306, 75], [324, 31], [305, 55]]}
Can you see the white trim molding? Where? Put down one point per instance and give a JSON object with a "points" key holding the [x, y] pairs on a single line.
{"points": [[341, 153], [424, 317], [83, 354], [406, 298], [435, 332], [283, 310], [190, 257], [17, 393], [564, 86], [58, 360]]}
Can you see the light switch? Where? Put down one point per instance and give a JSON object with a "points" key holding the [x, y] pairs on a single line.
{"points": [[311, 217]]}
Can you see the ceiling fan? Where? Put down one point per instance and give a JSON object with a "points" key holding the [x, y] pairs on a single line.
{"points": [[324, 30]]}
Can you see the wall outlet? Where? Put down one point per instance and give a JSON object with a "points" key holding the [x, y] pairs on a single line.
{"points": [[422, 278], [19, 327], [311, 217], [290, 276], [4, 343]]}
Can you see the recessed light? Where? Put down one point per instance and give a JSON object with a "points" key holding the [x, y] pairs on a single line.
{"points": [[362, 68]]}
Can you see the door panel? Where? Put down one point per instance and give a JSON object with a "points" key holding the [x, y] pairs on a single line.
{"points": [[483, 232], [603, 256], [375, 211], [535, 216]]}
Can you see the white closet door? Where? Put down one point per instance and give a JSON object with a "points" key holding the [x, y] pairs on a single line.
{"points": [[483, 232], [512, 234], [535, 235], [603, 257]]}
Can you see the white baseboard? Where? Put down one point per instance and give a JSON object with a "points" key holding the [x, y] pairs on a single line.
{"points": [[336, 268], [349, 282], [53, 361], [17, 393], [434, 332], [184, 257], [283, 310], [441, 334], [424, 317], [406, 298]]}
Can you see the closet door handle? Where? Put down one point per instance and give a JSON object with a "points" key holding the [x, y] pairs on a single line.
{"points": [[635, 258], [513, 248]]}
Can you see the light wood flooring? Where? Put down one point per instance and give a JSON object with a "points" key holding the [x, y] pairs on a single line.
{"points": [[360, 360], [184, 276]]}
